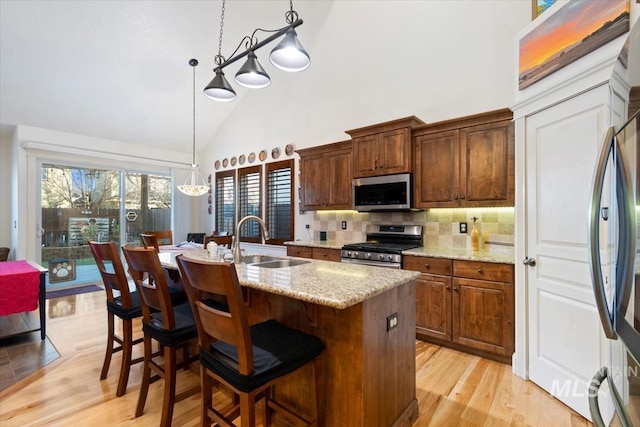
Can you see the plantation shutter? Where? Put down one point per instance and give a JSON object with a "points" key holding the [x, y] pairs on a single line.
{"points": [[280, 201], [249, 196], [225, 201]]}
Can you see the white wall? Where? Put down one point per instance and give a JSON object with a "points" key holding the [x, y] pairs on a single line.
{"points": [[377, 61], [6, 143]]}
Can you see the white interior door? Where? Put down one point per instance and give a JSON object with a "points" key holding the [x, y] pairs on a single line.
{"points": [[566, 345]]}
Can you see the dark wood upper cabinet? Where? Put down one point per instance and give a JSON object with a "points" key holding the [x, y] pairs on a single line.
{"points": [[465, 162], [384, 148], [325, 177]]}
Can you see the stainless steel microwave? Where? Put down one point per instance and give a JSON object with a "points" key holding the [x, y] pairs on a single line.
{"points": [[383, 193]]}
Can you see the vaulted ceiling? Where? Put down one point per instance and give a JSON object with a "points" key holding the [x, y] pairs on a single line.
{"points": [[119, 69]]}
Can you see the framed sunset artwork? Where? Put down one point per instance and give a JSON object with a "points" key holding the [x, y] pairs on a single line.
{"points": [[573, 31]]}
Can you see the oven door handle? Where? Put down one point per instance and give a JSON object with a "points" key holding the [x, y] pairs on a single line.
{"points": [[371, 263]]}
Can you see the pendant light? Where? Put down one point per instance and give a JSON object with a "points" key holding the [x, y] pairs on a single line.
{"points": [[192, 185], [288, 55]]}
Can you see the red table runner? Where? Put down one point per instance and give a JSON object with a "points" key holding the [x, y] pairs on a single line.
{"points": [[19, 287]]}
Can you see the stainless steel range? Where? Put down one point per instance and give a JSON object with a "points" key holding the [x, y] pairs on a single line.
{"points": [[383, 246]]}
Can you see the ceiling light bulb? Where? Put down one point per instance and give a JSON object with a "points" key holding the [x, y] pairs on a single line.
{"points": [[289, 55], [251, 74]]}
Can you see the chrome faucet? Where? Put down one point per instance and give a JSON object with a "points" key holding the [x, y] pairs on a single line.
{"points": [[236, 237]]}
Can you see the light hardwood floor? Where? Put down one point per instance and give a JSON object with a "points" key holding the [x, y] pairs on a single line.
{"points": [[453, 388]]}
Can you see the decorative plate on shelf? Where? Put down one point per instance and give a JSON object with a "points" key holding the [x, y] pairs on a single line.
{"points": [[210, 209], [263, 155], [275, 153], [252, 157], [217, 164], [234, 161], [241, 159], [288, 149], [209, 179], [225, 162], [210, 198]]}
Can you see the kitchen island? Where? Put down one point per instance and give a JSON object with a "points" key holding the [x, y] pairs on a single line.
{"points": [[364, 315]]}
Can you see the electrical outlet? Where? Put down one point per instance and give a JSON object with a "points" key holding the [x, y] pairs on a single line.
{"points": [[344, 225], [307, 226], [392, 321], [463, 228]]}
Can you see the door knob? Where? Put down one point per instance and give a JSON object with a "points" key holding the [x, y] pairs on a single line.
{"points": [[531, 262]]}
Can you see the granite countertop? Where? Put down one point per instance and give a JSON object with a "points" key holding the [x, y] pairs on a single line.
{"points": [[326, 283], [505, 256]]}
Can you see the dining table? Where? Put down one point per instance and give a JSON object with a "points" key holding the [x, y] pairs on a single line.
{"points": [[22, 289]]}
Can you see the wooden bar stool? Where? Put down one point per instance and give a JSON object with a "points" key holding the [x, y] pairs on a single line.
{"points": [[126, 306], [172, 326], [248, 360]]}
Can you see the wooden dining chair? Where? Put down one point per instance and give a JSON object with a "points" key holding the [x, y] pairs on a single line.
{"points": [[171, 325], [125, 306], [165, 237], [248, 360], [149, 241]]}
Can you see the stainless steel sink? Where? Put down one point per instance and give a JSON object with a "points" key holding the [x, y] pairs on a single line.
{"points": [[280, 263], [255, 259]]}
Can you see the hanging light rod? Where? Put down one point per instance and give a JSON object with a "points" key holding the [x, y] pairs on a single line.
{"points": [[258, 45], [288, 55]]}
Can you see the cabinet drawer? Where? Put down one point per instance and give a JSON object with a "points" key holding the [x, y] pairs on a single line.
{"points": [[441, 266], [326, 254], [299, 251], [483, 271]]}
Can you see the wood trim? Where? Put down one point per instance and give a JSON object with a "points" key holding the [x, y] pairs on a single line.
{"points": [[321, 149], [466, 121], [405, 122]]}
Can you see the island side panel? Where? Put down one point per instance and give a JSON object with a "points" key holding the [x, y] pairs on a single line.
{"points": [[339, 369], [390, 359]]}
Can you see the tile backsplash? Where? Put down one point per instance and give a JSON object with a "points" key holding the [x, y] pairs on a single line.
{"points": [[440, 226]]}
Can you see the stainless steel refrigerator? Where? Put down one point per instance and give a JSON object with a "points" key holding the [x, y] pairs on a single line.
{"points": [[614, 217]]}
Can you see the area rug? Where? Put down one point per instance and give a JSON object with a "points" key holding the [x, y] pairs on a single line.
{"points": [[73, 291]]}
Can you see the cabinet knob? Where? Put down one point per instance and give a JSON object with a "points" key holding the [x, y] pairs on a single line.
{"points": [[447, 287], [462, 197], [455, 289], [427, 266], [455, 197], [480, 270]]}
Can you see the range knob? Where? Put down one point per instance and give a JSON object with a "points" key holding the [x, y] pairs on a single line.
{"points": [[390, 257], [381, 257], [368, 256], [349, 254], [356, 254]]}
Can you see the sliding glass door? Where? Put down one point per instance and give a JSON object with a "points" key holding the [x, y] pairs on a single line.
{"points": [[85, 204]]}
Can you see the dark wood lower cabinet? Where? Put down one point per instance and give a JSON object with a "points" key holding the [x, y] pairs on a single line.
{"points": [[466, 305], [325, 254]]}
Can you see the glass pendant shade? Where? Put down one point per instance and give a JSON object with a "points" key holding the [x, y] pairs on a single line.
{"points": [[251, 74], [289, 55], [219, 89], [190, 186]]}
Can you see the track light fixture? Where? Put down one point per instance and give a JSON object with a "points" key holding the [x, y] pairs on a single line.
{"points": [[192, 185], [288, 55]]}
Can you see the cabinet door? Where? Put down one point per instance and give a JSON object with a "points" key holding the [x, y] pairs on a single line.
{"points": [[365, 156], [433, 306], [394, 152], [487, 165], [436, 173], [313, 182], [339, 192], [482, 315]]}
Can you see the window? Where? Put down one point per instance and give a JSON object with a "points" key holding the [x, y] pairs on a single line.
{"points": [[235, 201], [280, 201], [249, 185], [225, 201]]}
